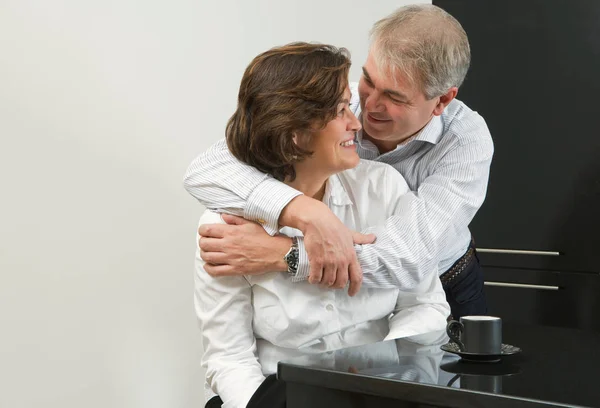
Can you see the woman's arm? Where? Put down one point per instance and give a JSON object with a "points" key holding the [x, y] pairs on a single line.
{"points": [[424, 308], [224, 310]]}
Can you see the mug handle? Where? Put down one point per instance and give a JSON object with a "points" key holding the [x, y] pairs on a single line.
{"points": [[453, 330]]}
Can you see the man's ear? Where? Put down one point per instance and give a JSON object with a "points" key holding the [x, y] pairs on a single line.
{"points": [[444, 100]]}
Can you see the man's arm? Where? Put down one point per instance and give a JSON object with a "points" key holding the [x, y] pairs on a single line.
{"points": [[409, 245], [223, 183], [224, 310]]}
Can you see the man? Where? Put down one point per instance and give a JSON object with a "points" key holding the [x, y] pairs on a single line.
{"points": [[418, 58]]}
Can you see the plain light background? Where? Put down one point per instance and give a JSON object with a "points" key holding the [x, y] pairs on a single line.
{"points": [[102, 107]]}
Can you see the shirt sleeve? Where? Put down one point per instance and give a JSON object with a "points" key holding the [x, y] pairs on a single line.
{"points": [[423, 310], [224, 309], [223, 183], [410, 244]]}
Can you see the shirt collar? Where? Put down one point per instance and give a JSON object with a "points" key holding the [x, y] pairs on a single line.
{"points": [[335, 192], [432, 132]]}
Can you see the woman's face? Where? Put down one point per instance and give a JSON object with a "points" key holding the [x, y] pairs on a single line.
{"points": [[333, 147]]}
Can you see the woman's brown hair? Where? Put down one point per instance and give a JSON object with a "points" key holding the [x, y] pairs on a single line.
{"points": [[286, 91]]}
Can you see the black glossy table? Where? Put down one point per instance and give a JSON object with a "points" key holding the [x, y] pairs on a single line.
{"points": [[557, 368]]}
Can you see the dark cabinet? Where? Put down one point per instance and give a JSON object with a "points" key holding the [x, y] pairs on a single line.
{"points": [[535, 78], [546, 298]]}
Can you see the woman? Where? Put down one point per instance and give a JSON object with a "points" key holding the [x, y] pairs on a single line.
{"points": [[293, 122]]}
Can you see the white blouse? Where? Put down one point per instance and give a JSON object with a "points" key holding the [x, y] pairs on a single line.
{"points": [[249, 323]]}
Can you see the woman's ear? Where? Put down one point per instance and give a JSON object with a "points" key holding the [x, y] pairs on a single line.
{"points": [[301, 139], [296, 140]]}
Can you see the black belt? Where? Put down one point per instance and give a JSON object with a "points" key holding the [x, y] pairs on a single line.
{"points": [[459, 266]]}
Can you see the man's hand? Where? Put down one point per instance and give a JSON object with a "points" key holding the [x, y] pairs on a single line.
{"points": [[329, 243], [241, 247]]}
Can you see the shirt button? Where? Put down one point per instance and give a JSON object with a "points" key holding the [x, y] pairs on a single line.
{"points": [[261, 221], [329, 307]]}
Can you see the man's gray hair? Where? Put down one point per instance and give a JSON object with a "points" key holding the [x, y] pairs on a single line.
{"points": [[425, 43]]}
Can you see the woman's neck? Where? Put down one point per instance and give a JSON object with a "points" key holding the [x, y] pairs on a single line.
{"points": [[309, 183]]}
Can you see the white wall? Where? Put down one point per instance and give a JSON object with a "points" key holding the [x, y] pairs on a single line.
{"points": [[102, 106]]}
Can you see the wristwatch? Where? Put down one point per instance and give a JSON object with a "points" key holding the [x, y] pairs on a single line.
{"points": [[292, 257]]}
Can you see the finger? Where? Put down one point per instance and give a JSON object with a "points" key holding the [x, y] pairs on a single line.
{"points": [[220, 270], [211, 244], [316, 271], [352, 370], [215, 258], [213, 230], [355, 275], [234, 220], [341, 278], [329, 275], [363, 239]]}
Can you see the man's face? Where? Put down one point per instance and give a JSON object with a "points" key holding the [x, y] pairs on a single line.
{"points": [[393, 107]]}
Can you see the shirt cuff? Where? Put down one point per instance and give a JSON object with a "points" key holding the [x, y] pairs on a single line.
{"points": [[267, 201], [303, 265]]}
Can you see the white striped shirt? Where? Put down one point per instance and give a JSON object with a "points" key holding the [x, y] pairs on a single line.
{"points": [[446, 166]]}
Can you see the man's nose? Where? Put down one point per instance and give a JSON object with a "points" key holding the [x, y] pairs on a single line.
{"points": [[372, 104]]}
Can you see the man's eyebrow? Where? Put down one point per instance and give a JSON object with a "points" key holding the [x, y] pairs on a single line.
{"points": [[389, 92], [366, 73]]}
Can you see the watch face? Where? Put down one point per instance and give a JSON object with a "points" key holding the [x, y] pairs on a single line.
{"points": [[292, 260]]}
